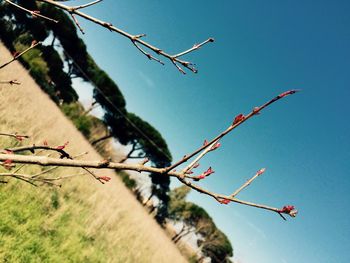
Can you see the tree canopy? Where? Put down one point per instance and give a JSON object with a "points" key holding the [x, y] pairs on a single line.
{"points": [[212, 242]]}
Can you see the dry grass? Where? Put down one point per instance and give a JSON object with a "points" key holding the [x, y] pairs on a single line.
{"points": [[83, 221]]}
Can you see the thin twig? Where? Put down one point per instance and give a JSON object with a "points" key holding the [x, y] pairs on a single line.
{"points": [[31, 12], [87, 5], [32, 180], [55, 167], [24, 179], [77, 23], [33, 45], [195, 47], [33, 148], [15, 135], [200, 156], [248, 182], [11, 82], [148, 55]]}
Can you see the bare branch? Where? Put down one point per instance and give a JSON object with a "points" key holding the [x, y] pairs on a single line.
{"points": [[58, 149], [258, 173], [11, 82], [33, 180], [47, 161], [23, 165], [87, 5], [15, 135], [195, 47], [135, 39], [33, 45], [8, 159], [77, 23], [148, 55], [33, 13], [93, 106], [240, 119]]}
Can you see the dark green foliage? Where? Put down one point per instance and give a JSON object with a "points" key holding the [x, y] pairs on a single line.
{"points": [[66, 32], [36, 27], [216, 245], [177, 204], [108, 94], [62, 82], [160, 189], [37, 66], [127, 180], [24, 22], [6, 33]]}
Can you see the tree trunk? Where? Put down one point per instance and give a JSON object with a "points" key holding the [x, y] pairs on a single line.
{"points": [[101, 139], [181, 236], [53, 40], [152, 209], [93, 106], [176, 235], [148, 199], [132, 150]]}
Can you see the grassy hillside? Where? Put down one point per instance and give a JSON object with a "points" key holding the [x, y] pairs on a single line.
{"points": [[83, 221]]}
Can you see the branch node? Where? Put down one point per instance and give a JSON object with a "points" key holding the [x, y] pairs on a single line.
{"points": [[104, 163]]}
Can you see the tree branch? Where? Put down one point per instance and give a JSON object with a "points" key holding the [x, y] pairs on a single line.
{"points": [[258, 173], [11, 82], [8, 158], [135, 39], [15, 135], [48, 161], [240, 119], [101, 139], [33, 45], [33, 13]]}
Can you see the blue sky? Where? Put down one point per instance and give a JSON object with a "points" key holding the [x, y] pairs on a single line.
{"points": [[262, 48]]}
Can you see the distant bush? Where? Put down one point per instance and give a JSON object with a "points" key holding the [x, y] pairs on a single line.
{"points": [[75, 112], [127, 180]]}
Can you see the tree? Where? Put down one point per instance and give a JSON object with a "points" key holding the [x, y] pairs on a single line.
{"points": [[212, 242], [146, 141], [188, 213], [60, 79]]}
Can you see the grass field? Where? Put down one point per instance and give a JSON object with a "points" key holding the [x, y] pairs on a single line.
{"points": [[83, 221]]}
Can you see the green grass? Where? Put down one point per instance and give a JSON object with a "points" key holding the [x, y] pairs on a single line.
{"points": [[36, 227]]}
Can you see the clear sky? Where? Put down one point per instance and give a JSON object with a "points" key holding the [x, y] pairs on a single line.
{"points": [[262, 48]]}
